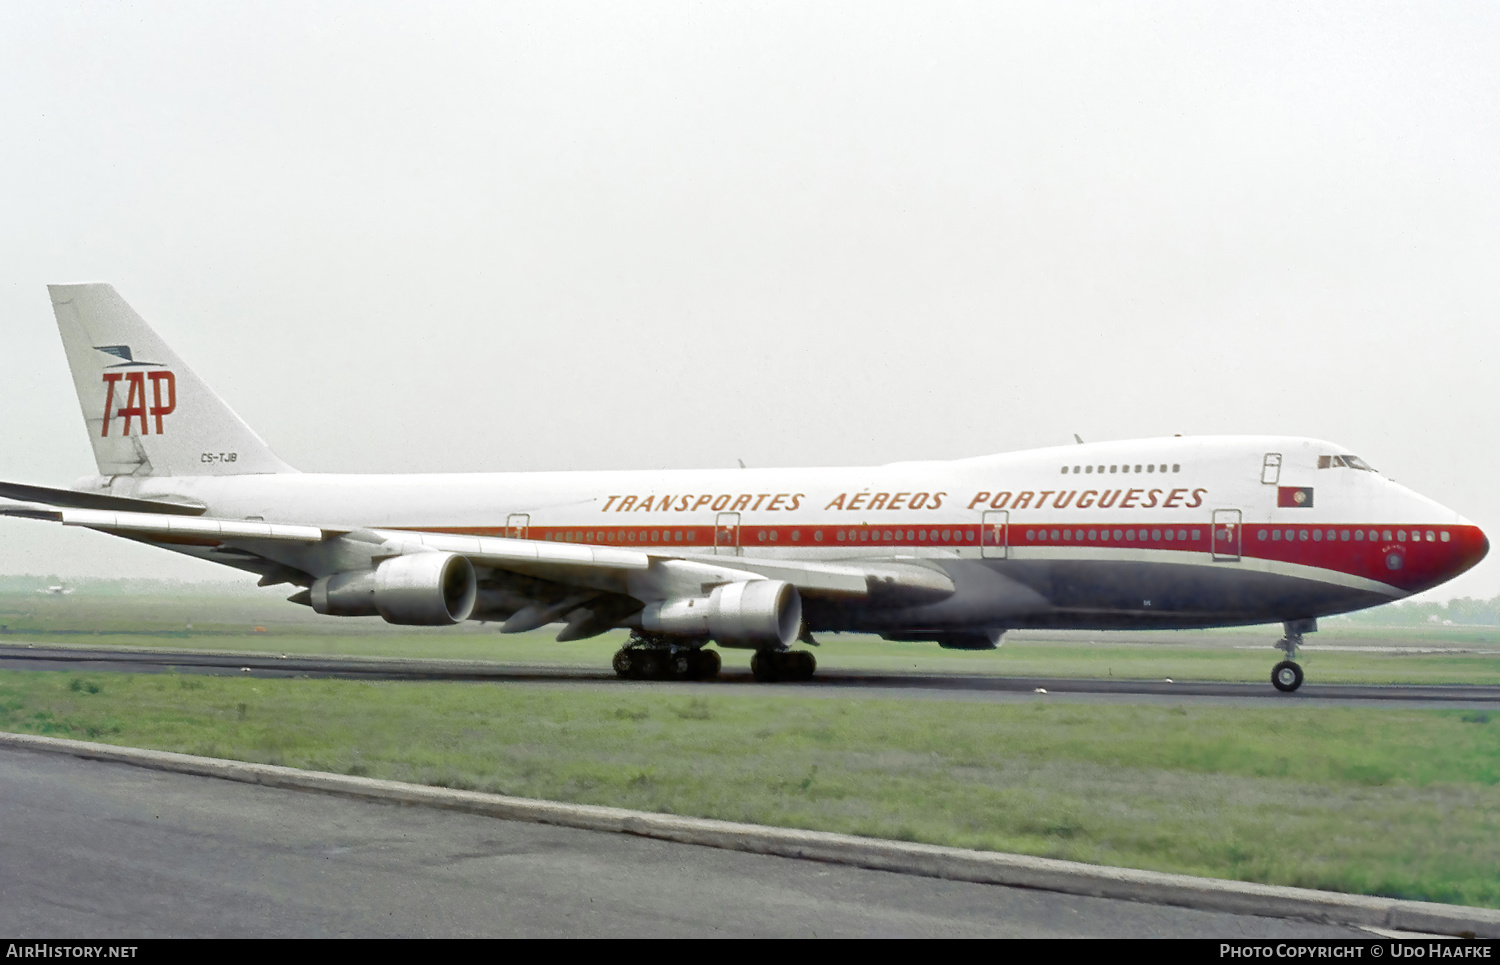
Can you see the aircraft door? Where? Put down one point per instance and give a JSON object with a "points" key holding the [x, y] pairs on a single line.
{"points": [[727, 534], [994, 534], [518, 525], [1226, 535], [1270, 469]]}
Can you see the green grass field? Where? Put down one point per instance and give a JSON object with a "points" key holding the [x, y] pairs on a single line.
{"points": [[1390, 801]]}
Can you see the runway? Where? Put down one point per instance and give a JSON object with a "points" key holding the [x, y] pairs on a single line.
{"points": [[830, 682], [113, 851]]}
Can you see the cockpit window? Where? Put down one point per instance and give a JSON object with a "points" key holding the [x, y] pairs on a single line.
{"points": [[1344, 462]]}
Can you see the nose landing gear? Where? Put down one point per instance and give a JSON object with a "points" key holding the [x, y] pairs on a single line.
{"points": [[1286, 676]]}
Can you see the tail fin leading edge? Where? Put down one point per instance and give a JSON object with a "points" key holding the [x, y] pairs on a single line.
{"points": [[147, 413]]}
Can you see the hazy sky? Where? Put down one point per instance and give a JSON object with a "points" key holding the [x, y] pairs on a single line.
{"points": [[512, 236]]}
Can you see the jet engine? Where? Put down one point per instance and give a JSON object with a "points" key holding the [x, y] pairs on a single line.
{"points": [[422, 589], [756, 614]]}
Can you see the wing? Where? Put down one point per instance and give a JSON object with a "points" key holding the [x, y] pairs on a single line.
{"points": [[526, 583]]}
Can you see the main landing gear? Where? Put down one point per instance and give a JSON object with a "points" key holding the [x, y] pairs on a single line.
{"points": [[1286, 676], [646, 659], [656, 657], [769, 666]]}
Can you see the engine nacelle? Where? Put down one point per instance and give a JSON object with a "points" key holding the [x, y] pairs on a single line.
{"points": [[755, 614], [422, 589]]}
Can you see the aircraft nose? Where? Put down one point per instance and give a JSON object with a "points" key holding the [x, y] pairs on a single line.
{"points": [[1473, 546]]}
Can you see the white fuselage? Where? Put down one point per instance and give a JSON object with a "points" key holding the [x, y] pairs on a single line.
{"points": [[1175, 531]]}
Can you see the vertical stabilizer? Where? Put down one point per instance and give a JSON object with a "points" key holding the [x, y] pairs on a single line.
{"points": [[147, 413]]}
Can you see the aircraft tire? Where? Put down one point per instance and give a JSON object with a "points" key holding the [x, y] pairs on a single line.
{"points": [[623, 664], [807, 665], [1286, 676], [706, 664], [765, 667], [682, 665], [650, 665]]}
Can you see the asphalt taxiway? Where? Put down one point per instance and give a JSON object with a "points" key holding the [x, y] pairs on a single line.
{"points": [[828, 682], [110, 850]]}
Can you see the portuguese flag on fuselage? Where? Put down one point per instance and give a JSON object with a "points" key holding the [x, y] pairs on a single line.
{"points": [[1294, 497]]}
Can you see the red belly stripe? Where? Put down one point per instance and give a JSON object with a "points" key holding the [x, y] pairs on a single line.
{"points": [[1398, 555]]}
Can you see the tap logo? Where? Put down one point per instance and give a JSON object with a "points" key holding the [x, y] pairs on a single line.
{"points": [[158, 401]]}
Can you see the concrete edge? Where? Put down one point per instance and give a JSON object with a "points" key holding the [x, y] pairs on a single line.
{"points": [[933, 861]]}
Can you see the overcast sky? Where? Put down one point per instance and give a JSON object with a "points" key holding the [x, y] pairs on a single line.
{"points": [[403, 237]]}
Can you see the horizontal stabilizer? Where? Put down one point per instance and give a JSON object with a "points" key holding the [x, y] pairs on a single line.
{"points": [[76, 500]]}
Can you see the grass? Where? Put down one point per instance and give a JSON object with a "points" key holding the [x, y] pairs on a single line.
{"points": [[1396, 802]]}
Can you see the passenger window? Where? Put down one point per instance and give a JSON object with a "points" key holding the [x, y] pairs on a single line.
{"points": [[1065, 470], [1445, 536], [1088, 468], [1302, 536], [1156, 534], [1430, 537], [1182, 534], [1262, 534], [1169, 534], [1151, 469], [1195, 536], [818, 535], [1031, 534], [1359, 535], [1344, 535], [1130, 535], [839, 536], [1075, 470], [1054, 534], [1387, 535], [1093, 533], [1275, 535], [1176, 467], [1114, 468], [1137, 468], [796, 536], [1119, 535], [1067, 534], [761, 535]]}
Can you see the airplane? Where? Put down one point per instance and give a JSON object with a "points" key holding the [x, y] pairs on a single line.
{"points": [[1180, 532]]}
